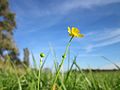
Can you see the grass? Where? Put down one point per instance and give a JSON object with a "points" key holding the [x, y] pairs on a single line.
{"points": [[16, 78]]}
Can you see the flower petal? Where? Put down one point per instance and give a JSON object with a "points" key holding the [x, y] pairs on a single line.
{"points": [[69, 30], [80, 35], [75, 32]]}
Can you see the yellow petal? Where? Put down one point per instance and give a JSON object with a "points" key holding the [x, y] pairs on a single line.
{"points": [[72, 31], [75, 30], [80, 35], [69, 30]]}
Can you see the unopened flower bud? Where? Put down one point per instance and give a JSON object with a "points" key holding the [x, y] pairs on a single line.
{"points": [[64, 56], [42, 55]]}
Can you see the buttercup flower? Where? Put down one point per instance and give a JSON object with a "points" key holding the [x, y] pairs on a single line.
{"points": [[74, 32]]}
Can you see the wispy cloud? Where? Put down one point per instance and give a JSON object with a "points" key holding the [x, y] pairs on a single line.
{"points": [[89, 55], [108, 34], [70, 5], [104, 38], [33, 11], [36, 9]]}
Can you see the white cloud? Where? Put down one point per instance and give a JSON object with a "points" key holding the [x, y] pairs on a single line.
{"points": [[104, 38], [89, 55], [70, 5], [90, 34], [108, 34], [89, 48], [63, 7]]}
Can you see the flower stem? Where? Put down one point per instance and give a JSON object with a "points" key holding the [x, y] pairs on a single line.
{"points": [[39, 73], [63, 58]]}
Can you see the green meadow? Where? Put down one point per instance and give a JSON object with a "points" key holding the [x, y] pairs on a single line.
{"points": [[21, 77]]}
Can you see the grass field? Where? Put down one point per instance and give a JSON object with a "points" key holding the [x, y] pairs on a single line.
{"points": [[13, 77]]}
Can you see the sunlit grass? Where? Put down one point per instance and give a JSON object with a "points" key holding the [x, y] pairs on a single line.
{"points": [[15, 78]]}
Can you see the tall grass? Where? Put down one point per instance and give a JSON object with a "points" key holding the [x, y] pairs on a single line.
{"points": [[15, 78]]}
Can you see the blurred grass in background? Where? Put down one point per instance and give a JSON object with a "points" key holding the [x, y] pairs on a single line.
{"points": [[13, 77]]}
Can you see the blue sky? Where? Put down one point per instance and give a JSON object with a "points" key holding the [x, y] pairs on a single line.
{"points": [[43, 23]]}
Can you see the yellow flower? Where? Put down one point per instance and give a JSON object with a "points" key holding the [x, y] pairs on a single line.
{"points": [[74, 32]]}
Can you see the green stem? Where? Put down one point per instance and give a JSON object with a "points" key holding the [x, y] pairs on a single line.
{"points": [[14, 67], [69, 71], [68, 59], [63, 58], [39, 75]]}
